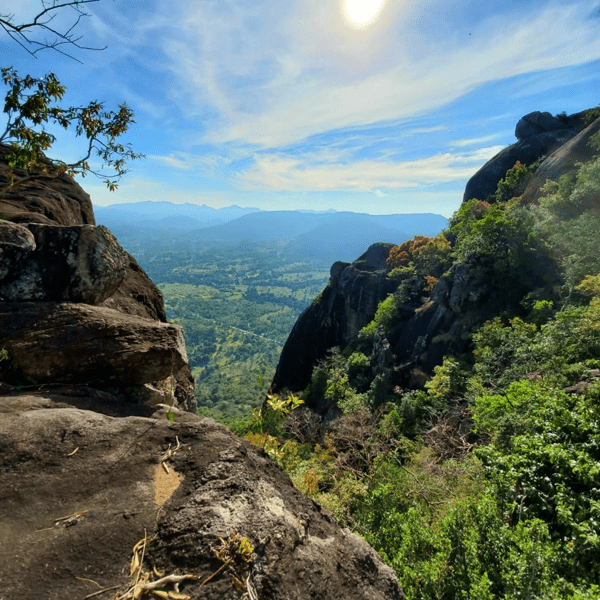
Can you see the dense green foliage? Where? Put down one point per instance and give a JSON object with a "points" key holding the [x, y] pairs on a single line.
{"points": [[486, 484]]}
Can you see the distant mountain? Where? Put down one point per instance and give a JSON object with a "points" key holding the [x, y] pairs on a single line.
{"points": [[327, 235], [324, 236], [166, 215]]}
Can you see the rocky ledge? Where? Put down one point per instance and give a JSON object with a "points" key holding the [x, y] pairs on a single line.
{"points": [[85, 479]]}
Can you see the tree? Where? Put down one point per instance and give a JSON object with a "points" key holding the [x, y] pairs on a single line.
{"points": [[27, 34], [31, 104]]}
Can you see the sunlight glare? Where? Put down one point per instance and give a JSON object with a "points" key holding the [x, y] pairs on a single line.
{"points": [[361, 13]]}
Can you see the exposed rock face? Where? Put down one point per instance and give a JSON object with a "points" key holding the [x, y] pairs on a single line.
{"points": [[16, 242], [51, 201], [81, 263], [347, 304], [68, 342], [484, 183], [80, 489], [86, 310], [563, 161], [538, 134], [535, 123]]}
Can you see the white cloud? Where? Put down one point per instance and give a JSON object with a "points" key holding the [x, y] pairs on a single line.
{"points": [[474, 141], [284, 173]]}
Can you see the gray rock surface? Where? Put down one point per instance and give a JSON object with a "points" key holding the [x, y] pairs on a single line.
{"points": [[16, 242], [80, 263], [563, 161], [536, 122], [80, 489], [50, 251], [68, 342], [58, 201], [484, 183]]}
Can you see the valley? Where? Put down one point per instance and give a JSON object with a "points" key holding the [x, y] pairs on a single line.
{"points": [[238, 288]]}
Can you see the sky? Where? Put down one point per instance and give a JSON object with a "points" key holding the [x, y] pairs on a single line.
{"points": [[319, 104]]}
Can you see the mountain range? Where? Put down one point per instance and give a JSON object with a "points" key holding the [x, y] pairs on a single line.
{"points": [[327, 235]]}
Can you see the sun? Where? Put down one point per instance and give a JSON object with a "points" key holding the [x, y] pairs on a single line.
{"points": [[361, 13]]}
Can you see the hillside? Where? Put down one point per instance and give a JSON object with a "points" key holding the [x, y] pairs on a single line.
{"points": [[301, 234], [160, 215], [441, 396]]}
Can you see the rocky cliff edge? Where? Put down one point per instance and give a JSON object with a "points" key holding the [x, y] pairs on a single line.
{"points": [[110, 486]]}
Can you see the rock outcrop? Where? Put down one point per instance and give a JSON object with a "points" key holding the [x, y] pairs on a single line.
{"points": [[69, 342], [81, 263], [432, 325], [48, 201], [74, 306], [347, 304], [80, 488], [563, 161], [538, 134]]}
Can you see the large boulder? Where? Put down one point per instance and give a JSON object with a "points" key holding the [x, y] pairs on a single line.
{"points": [[538, 134], [80, 489], [16, 242], [81, 263], [58, 201], [51, 251], [535, 123], [68, 342], [484, 183], [347, 304]]}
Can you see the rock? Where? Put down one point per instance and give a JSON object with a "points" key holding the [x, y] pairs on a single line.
{"points": [[16, 242], [59, 201], [484, 183], [347, 304], [536, 122], [137, 294], [80, 489], [63, 342], [81, 263], [382, 358], [563, 161], [50, 251]]}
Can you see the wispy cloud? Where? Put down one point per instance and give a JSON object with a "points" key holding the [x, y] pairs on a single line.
{"points": [[301, 72], [186, 161], [462, 143], [285, 173]]}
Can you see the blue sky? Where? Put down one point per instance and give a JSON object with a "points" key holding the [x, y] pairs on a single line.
{"points": [[286, 105]]}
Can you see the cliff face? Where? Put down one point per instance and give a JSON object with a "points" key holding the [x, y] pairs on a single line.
{"points": [[75, 307], [430, 325], [346, 305], [99, 453]]}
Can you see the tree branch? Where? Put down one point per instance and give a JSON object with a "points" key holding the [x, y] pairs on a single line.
{"points": [[20, 33]]}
